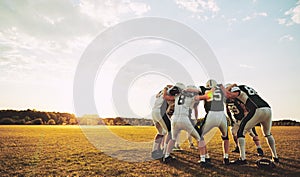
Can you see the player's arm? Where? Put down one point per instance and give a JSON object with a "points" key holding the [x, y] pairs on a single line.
{"points": [[201, 97], [196, 110], [193, 90], [235, 91]]}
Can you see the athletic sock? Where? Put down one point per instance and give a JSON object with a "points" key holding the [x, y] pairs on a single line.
{"points": [[207, 156], [241, 142], [157, 141], [202, 158], [226, 156], [259, 146], [271, 143]]}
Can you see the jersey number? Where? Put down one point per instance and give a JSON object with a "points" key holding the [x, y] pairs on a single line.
{"points": [[233, 108], [181, 100], [217, 96], [250, 90]]}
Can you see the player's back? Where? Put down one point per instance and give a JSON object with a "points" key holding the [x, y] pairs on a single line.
{"points": [[159, 100], [183, 103], [255, 100], [216, 101]]}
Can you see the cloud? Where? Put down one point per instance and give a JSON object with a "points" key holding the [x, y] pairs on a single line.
{"points": [[281, 21], [255, 15], [246, 66], [292, 16], [199, 7], [230, 22], [294, 13], [108, 12], [46, 39], [286, 38]]}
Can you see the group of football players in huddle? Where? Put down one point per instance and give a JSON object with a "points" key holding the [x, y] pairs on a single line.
{"points": [[245, 109]]}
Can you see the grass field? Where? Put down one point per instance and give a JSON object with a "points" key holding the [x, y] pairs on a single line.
{"points": [[65, 151]]}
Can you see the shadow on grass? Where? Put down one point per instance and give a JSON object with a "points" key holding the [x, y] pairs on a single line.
{"points": [[187, 161]]}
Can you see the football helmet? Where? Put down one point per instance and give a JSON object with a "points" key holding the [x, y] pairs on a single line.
{"points": [[180, 85], [211, 83]]}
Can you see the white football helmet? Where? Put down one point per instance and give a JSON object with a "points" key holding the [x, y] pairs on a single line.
{"points": [[180, 85], [211, 83], [191, 87], [227, 85]]}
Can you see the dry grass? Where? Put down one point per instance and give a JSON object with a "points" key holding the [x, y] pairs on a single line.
{"points": [[65, 151]]}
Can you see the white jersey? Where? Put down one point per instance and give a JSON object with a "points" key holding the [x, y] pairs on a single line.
{"points": [[183, 103], [158, 101]]}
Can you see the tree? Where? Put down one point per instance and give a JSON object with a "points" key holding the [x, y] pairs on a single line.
{"points": [[51, 122], [7, 121], [27, 118], [37, 121]]}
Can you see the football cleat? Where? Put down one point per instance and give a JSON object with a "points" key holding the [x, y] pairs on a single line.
{"points": [[204, 164], [208, 160], [177, 148], [239, 162], [226, 161], [193, 147], [260, 152], [237, 150], [168, 159], [276, 160]]}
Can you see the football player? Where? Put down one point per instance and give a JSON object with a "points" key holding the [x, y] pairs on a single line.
{"points": [[184, 101], [236, 111], [215, 117], [259, 112], [161, 122]]}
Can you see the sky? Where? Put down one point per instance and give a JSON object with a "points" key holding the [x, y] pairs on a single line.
{"points": [[256, 42]]}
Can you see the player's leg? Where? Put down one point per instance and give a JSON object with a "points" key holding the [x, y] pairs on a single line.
{"points": [[224, 131], [208, 123], [163, 127], [177, 143], [204, 161], [175, 129], [247, 123], [157, 120], [234, 130], [266, 128], [192, 132], [166, 125], [255, 139], [156, 149], [190, 139]]}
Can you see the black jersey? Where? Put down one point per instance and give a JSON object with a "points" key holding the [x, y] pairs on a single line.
{"points": [[216, 102], [250, 97], [234, 106]]}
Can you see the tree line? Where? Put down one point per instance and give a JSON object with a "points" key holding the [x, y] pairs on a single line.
{"points": [[119, 121], [33, 117], [286, 123]]}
